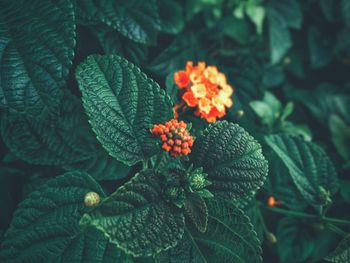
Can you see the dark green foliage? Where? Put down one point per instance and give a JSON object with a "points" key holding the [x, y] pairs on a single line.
{"points": [[136, 218], [269, 181], [122, 105], [46, 225], [36, 54], [232, 159]]}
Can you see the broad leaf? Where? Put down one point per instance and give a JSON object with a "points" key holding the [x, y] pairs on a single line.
{"points": [[137, 219], [308, 165], [281, 16], [320, 48], [232, 159], [197, 211], [229, 238], [122, 105], [136, 20], [171, 16], [45, 226], [37, 41], [295, 243], [342, 253], [54, 140]]}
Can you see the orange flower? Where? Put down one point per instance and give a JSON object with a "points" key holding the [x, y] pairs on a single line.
{"points": [[181, 79], [206, 89], [175, 137]]}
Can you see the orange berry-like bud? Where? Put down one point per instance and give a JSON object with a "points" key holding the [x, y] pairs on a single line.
{"points": [[175, 137], [271, 202]]}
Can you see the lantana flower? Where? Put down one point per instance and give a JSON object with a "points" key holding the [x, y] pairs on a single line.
{"points": [[205, 89], [175, 137]]}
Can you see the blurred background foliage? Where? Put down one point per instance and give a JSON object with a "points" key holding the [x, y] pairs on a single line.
{"points": [[289, 62]]}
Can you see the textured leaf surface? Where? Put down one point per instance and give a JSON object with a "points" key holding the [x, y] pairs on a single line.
{"points": [[37, 39], [122, 105], [197, 211], [50, 141], [136, 218], [342, 252], [232, 159], [45, 226], [229, 238], [308, 165], [136, 20]]}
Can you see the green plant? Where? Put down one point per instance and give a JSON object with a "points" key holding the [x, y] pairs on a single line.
{"points": [[174, 131]]}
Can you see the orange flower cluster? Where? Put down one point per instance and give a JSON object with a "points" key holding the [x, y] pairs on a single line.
{"points": [[206, 89], [175, 137]]}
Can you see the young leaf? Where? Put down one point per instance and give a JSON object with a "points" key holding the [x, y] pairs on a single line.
{"points": [[136, 218], [341, 253], [37, 41], [232, 159], [136, 20], [308, 165], [45, 226], [122, 105], [229, 238], [197, 211]]}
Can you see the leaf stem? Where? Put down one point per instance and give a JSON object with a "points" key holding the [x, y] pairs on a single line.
{"points": [[158, 160], [336, 229], [309, 216]]}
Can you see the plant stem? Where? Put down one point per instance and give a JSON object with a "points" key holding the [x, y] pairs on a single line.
{"points": [[336, 229], [305, 215]]}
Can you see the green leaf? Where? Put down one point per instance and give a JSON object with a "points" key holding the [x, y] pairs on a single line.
{"points": [[136, 20], [345, 8], [136, 218], [54, 140], [295, 244], [101, 166], [308, 165], [122, 105], [171, 87], [232, 159], [320, 48], [171, 16], [184, 48], [282, 15], [229, 238], [197, 211], [45, 226], [342, 253], [256, 13], [236, 29], [37, 40], [340, 135], [113, 42]]}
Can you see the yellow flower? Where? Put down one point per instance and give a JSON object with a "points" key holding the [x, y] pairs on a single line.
{"points": [[199, 90]]}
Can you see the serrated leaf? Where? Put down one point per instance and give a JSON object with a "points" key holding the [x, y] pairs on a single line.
{"points": [[308, 165], [53, 140], [122, 105], [37, 40], [136, 20], [229, 238], [342, 253], [137, 219], [45, 226], [197, 211], [232, 159]]}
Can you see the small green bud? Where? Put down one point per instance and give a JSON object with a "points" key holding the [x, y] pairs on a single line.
{"points": [[91, 199], [271, 238]]}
